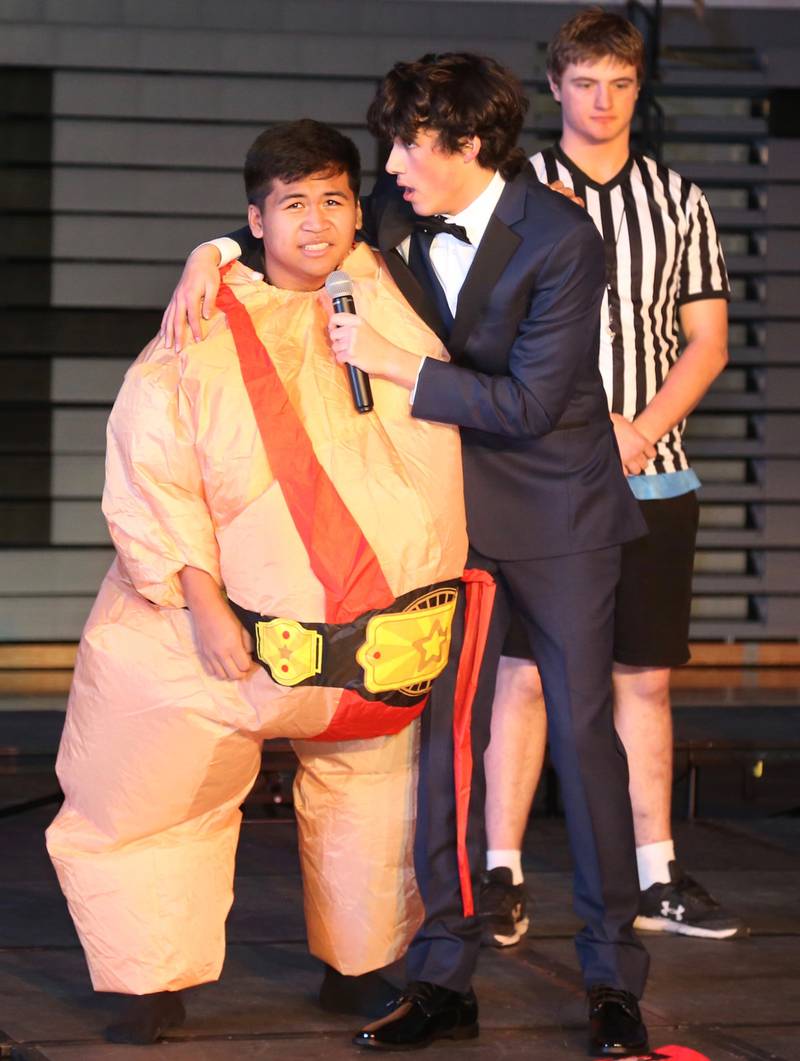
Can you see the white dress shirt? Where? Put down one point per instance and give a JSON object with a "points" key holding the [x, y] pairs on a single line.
{"points": [[451, 258], [229, 249]]}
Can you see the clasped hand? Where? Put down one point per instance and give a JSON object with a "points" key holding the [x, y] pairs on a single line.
{"points": [[635, 450], [224, 645]]}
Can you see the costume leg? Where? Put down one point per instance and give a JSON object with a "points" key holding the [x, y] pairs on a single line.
{"points": [[355, 806], [144, 844], [445, 950], [567, 604]]}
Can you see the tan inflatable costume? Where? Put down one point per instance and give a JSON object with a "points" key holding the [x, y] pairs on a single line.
{"points": [[243, 456]]}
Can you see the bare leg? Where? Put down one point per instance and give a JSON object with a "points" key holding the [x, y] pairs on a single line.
{"points": [[512, 764], [513, 760], [671, 900], [643, 718]]}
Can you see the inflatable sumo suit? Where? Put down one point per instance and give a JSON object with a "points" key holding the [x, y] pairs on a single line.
{"points": [[340, 541]]}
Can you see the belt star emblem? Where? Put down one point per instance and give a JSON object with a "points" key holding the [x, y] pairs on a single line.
{"points": [[431, 647]]}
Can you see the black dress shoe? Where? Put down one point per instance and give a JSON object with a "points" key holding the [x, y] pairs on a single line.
{"points": [[367, 995], [615, 1023], [423, 1013], [146, 1018]]}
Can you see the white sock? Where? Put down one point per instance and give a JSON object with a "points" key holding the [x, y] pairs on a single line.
{"points": [[510, 859], [652, 862]]}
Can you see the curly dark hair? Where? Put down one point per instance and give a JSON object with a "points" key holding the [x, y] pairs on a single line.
{"points": [[457, 95], [293, 150]]}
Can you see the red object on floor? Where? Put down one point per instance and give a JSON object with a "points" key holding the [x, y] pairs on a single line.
{"points": [[679, 1053], [672, 1053]]}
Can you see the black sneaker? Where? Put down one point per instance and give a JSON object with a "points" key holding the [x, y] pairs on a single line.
{"points": [[685, 907], [502, 908]]}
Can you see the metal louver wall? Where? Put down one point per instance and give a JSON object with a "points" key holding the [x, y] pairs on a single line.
{"points": [[123, 134]]}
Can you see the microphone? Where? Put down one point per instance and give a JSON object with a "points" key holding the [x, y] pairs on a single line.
{"points": [[340, 288]]}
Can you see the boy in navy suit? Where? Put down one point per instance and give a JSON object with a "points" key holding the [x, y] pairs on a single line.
{"points": [[511, 276]]}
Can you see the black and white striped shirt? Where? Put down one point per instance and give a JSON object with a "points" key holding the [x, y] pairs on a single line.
{"points": [[662, 251]]}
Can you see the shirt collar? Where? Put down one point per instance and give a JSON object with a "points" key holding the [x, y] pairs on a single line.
{"points": [[476, 216]]}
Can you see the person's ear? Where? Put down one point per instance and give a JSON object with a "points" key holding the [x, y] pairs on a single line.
{"points": [[555, 88], [254, 221], [471, 149]]}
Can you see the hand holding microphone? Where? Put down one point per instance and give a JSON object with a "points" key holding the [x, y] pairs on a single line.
{"points": [[340, 288]]}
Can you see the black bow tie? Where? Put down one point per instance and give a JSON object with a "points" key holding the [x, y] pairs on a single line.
{"points": [[437, 224]]}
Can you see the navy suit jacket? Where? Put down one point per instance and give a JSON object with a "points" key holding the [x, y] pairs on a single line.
{"points": [[542, 473]]}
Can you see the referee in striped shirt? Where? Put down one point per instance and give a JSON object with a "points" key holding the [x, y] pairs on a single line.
{"points": [[665, 275]]}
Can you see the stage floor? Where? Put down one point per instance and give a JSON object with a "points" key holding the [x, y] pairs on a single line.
{"points": [[727, 1000]]}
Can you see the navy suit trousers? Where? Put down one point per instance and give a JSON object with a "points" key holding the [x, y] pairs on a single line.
{"points": [[567, 606]]}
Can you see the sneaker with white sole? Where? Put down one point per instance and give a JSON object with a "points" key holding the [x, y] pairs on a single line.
{"points": [[502, 908], [685, 907]]}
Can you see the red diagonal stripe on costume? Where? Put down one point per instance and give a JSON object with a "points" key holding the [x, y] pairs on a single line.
{"points": [[340, 556]]}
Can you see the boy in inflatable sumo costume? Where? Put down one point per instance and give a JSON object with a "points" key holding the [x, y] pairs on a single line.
{"points": [[286, 567]]}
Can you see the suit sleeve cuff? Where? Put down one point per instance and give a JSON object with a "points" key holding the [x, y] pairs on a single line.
{"points": [[413, 393], [229, 249]]}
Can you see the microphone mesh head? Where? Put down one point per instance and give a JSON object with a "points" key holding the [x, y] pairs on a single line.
{"points": [[339, 284]]}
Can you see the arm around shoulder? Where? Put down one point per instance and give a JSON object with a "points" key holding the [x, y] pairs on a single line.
{"points": [[194, 298]]}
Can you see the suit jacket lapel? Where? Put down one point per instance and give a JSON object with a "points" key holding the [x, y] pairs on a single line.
{"points": [[494, 253], [395, 225]]}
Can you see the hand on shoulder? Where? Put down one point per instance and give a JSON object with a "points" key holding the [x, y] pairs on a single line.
{"points": [[568, 193], [193, 299]]}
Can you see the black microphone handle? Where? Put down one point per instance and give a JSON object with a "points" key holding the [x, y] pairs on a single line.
{"points": [[359, 381], [360, 389]]}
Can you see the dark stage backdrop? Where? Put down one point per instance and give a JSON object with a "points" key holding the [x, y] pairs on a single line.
{"points": [[123, 130]]}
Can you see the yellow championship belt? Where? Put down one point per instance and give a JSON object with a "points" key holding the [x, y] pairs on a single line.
{"points": [[401, 652], [292, 652], [406, 650]]}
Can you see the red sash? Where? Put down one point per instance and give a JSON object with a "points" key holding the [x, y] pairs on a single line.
{"points": [[347, 567]]}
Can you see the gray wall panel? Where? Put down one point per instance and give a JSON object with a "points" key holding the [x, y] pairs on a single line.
{"points": [[79, 431], [784, 156], [783, 250], [80, 476], [78, 523], [154, 103], [784, 612], [168, 145], [75, 379], [154, 239], [32, 572], [159, 191], [188, 48], [35, 618], [112, 284], [254, 100]]}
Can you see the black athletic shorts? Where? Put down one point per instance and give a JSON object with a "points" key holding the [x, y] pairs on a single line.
{"points": [[654, 595]]}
